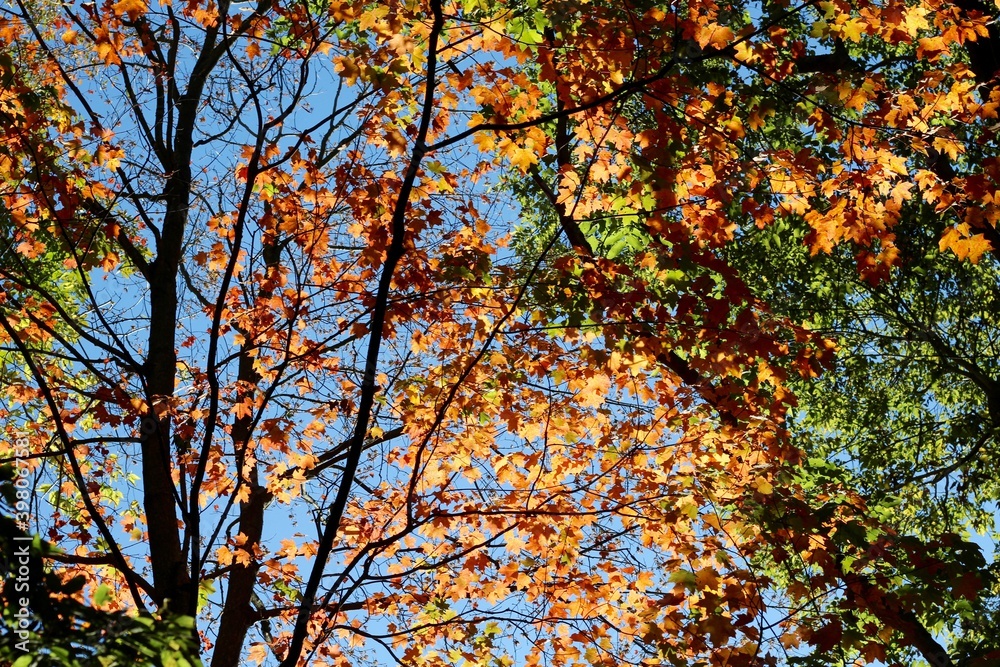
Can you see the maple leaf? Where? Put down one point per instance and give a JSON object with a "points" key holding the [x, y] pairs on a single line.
{"points": [[522, 158], [107, 52], [243, 409], [931, 48], [224, 556], [396, 142], [133, 8], [968, 586], [916, 20], [258, 653], [948, 146], [828, 636], [901, 191], [715, 35], [31, 249], [964, 245], [852, 29], [578, 364]]}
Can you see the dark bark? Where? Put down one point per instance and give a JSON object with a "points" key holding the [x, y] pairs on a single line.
{"points": [[237, 613], [171, 578], [380, 311]]}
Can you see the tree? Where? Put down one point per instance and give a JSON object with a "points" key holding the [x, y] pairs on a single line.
{"points": [[290, 224], [907, 414], [904, 414], [44, 625]]}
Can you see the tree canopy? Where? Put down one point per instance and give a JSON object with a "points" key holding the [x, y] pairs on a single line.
{"points": [[504, 333]]}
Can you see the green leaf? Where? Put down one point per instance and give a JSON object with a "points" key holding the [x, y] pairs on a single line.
{"points": [[523, 31], [102, 595], [684, 577]]}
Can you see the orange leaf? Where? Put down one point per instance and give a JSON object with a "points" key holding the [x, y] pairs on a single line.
{"points": [[715, 35], [134, 8], [396, 142]]}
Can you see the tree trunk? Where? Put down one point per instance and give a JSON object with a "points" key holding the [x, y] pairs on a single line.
{"points": [[237, 614]]}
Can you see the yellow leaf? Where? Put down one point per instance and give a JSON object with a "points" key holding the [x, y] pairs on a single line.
{"points": [[931, 48], [916, 20], [596, 391], [107, 52], [707, 578], [745, 53], [396, 142], [373, 17], [715, 35], [763, 486], [976, 247], [288, 549], [949, 147], [852, 30], [347, 68], [901, 192], [243, 409], [965, 246], [224, 556], [134, 8], [523, 158]]}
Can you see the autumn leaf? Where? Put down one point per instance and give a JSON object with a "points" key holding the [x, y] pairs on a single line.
{"points": [[827, 637], [715, 35], [396, 142], [133, 8], [948, 146], [964, 245], [108, 53], [258, 653], [901, 191], [522, 158], [404, 311]]}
